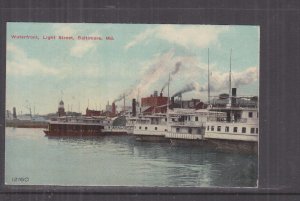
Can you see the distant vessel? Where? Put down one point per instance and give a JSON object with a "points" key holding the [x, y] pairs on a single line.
{"points": [[78, 126], [24, 120]]}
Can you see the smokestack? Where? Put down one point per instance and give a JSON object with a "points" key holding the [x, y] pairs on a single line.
{"points": [[234, 92], [161, 94], [155, 94], [233, 98], [14, 113], [133, 107], [172, 101], [113, 110]]}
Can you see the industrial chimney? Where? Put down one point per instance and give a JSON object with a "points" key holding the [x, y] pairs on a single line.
{"points": [[133, 107], [113, 108]]}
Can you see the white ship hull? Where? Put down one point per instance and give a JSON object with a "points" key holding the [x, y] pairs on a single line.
{"points": [[144, 132], [231, 136]]}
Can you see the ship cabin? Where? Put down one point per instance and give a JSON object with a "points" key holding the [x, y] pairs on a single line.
{"points": [[150, 123], [67, 125], [232, 121], [188, 121], [130, 122], [71, 128], [187, 124]]}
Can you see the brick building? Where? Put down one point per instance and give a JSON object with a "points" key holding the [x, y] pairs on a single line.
{"points": [[91, 113], [155, 103]]}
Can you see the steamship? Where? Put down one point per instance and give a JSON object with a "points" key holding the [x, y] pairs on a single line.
{"points": [[171, 124], [151, 122], [151, 128], [235, 125], [188, 127], [174, 122], [77, 126]]}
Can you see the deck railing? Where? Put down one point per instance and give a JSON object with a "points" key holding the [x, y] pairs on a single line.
{"points": [[224, 120], [188, 123]]}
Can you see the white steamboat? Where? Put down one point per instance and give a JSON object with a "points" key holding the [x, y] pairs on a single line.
{"points": [[187, 125], [151, 127], [234, 127]]}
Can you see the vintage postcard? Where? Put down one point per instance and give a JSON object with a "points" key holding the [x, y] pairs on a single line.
{"points": [[168, 105]]}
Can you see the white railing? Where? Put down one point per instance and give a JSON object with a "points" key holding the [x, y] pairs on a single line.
{"points": [[223, 120], [188, 123], [183, 136], [115, 128]]}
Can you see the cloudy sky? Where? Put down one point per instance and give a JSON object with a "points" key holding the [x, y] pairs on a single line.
{"points": [[139, 59]]}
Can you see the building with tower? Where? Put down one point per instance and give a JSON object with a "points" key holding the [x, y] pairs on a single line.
{"points": [[61, 109]]}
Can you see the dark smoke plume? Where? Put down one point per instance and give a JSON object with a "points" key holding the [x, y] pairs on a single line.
{"points": [[174, 72], [189, 87]]}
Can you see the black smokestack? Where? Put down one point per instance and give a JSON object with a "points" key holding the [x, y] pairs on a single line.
{"points": [[14, 113], [233, 100], [234, 92], [172, 100], [133, 107]]}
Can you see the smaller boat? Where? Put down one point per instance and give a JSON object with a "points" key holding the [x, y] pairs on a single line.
{"points": [[77, 126]]}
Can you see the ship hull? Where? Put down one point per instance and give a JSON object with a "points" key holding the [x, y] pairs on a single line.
{"points": [[72, 133], [235, 146], [73, 129], [151, 138], [188, 142], [115, 133]]}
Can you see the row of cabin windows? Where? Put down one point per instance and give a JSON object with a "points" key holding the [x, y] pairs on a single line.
{"points": [[146, 128], [235, 129]]}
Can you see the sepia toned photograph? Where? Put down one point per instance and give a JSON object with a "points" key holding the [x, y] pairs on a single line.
{"points": [[146, 105]]}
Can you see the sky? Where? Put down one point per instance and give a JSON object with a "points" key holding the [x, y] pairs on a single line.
{"points": [[135, 60]]}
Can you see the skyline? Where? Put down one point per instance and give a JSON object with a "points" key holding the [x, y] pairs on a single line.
{"points": [[136, 57]]}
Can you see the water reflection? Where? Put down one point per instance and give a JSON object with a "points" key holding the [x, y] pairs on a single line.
{"points": [[120, 160]]}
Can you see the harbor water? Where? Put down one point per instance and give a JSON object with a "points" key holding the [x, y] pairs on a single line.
{"points": [[31, 158]]}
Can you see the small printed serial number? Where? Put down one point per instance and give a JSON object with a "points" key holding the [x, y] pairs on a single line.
{"points": [[20, 179]]}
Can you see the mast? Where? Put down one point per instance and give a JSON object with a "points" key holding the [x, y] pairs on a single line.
{"points": [[138, 97], [168, 103], [230, 74], [208, 87], [168, 93], [229, 94], [124, 102]]}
